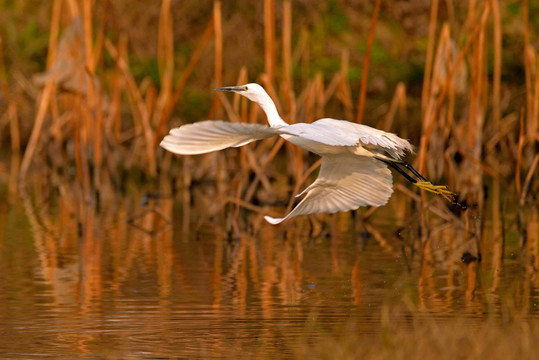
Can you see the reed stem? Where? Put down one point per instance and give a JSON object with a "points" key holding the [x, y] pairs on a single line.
{"points": [[366, 62]]}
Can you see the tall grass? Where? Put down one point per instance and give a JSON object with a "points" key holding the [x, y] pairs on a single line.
{"points": [[108, 124]]}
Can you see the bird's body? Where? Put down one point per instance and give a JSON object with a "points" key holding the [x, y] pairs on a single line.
{"points": [[355, 157]]}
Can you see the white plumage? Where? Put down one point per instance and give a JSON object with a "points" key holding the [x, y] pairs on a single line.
{"points": [[353, 172], [212, 135]]}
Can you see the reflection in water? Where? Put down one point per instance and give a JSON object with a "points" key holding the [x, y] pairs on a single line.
{"points": [[130, 281]]}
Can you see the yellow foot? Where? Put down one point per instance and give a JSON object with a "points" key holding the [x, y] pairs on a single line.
{"points": [[436, 189]]}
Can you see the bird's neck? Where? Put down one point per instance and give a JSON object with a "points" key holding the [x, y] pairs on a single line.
{"points": [[272, 114]]}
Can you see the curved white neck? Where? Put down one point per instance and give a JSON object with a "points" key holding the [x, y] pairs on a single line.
{"points": [[269, 108]]}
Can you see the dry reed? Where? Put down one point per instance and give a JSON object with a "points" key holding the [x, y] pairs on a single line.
{"points": [[363, 89], [114, 123]]}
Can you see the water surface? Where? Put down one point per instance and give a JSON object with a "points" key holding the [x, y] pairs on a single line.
{"points": [[132, 282]]}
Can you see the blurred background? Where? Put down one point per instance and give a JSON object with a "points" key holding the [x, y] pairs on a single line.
{"points": [[110, 246]]}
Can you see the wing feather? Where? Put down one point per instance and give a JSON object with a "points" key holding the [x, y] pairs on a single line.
{"points": [[207, 136], [345, 182]]}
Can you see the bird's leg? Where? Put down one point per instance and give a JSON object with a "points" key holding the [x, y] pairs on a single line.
{"points": [[423, 183], [394, 165], [408, 166], [427, 185]]}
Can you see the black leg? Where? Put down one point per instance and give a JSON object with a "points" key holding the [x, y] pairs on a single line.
{"points": [[394, 165], [414, 171], [423, 184]]}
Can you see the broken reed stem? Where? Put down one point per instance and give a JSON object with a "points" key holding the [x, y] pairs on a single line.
{"points": [[363, 88], [319, 92], [525, 19], [99, 44], [269, 39], [304, 56], [87, 24], [425, 93], [450, 98], [287, 54], [85, 164], [532, 130], [73, 8], [88, 49], [43, 106], [77, 147], [532, 85], [528, 179], [98, 141], [218, 36], [4, 82], [428, 126], [398, 103], [521, 137], [99, 113], [497, 66], [165, 59], [344, 88], [51, 57], [165, 46], [475, 119], [531, 67], [54, 32], [91, 121], [529, 61], [218, 55], [15, 138], [14, 131], [117, 94]]}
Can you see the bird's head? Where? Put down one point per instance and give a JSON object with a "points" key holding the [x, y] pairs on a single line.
{"points": [[252, 91], [256, 93]]}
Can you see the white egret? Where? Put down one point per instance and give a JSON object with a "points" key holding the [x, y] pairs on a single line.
{"points": [[355, 157]]}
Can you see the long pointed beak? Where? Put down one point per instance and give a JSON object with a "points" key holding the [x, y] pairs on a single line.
{"points": [[232, 88]]}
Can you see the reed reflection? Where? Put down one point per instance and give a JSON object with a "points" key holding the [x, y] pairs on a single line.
{"points": [[131, 262]]}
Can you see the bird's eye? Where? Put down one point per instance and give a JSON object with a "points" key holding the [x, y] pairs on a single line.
{"points": [[245, 88]]}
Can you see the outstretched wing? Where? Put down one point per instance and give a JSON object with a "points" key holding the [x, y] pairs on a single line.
{"points": [[207, 136], [345, 133], [345, 182]]}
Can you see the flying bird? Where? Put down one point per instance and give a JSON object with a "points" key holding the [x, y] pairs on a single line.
{"points": [[355, 157]]}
